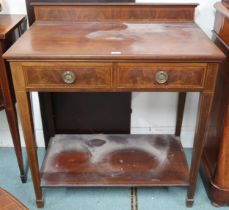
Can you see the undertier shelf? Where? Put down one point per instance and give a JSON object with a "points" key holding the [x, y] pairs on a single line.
{"points": [[114, 160]]}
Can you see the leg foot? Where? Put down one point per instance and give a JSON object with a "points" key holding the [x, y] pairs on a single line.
{"points": [[23, 178], [205, 103], [189, 202], [40, 203], [24, 105]]}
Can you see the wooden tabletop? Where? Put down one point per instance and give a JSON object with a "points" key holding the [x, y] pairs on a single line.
{"points": [[117, 40], [8, 23]]}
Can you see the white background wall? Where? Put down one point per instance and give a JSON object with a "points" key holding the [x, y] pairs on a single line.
{"points": [[152, 112]]}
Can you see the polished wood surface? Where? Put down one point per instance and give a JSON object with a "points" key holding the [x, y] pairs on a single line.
{"points": [[115, 160], [89, 75], [109, 77], [11, 26], [9, 202], [114, 12], [215, 172], [143, 75], [135, 53], [115, 41]]}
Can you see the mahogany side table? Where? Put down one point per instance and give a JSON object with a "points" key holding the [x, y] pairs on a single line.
{"points": [[11, 27], [114, 48]]}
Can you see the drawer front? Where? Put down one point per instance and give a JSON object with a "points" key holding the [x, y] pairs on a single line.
{"points": [[148, 76], [76, 75]]}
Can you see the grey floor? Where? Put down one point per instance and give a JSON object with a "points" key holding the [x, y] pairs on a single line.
{"points": [[96, 198]]}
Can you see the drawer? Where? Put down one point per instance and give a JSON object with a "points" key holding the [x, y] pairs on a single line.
{"points": [[148, 75], [69, 75]]}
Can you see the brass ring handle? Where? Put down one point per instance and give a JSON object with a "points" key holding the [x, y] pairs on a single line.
{"points": [[161, 77], [69, 77]]}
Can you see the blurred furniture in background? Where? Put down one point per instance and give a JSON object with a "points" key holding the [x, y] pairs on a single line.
{"points": [[215, 159], [9, 202], [226, 3], [11, 27]]}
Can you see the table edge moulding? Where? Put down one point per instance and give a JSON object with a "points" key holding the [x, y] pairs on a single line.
{"points": [[118, 51]]}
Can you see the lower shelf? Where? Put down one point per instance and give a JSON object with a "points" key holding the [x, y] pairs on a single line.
{"points": [[114, 160]]}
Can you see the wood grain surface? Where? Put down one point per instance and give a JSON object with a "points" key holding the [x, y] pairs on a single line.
{"points": [[9, 202], [115, 41], [112, 160], [114, 12]]}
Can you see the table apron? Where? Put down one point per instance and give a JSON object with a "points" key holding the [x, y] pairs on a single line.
{"points": [[113, 77]]}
